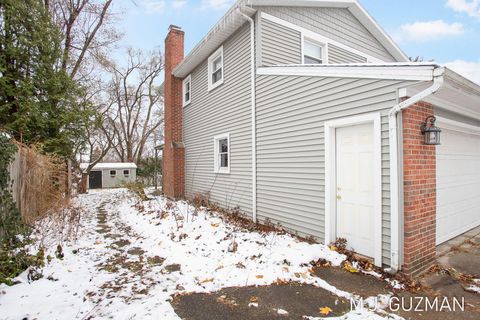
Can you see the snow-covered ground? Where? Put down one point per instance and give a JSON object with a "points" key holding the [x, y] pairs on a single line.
{"points": [[130, 257]]}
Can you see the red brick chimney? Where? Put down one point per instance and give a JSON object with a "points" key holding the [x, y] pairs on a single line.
{"points": [[174, 150]]}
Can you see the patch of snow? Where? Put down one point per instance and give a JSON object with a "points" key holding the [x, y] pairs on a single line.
{"points": [[191, 247], [358, 315], [282, 312], [473, 288]]}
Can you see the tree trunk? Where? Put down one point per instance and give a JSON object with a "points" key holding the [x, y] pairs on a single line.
{"points": [[82, 188]]}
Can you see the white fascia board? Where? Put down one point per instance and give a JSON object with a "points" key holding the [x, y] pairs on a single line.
{"points": [[304, 3], [371, 24], [224, 28], [414, 73]]}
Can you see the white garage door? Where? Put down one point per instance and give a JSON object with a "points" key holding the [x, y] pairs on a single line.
{"points": [[458, 180]]}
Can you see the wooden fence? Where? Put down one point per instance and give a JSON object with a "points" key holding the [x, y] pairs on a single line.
{"points": [[40, 183]]}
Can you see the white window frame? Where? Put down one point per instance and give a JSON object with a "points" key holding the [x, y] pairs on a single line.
{"points": [[211, 59], [110, 172], [321, 44], [128, 174], [184, 88], [216, 153]]}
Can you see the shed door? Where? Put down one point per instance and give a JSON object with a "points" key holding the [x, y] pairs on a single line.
{"points": [[458, 182], [95, 180], [355, 196]]}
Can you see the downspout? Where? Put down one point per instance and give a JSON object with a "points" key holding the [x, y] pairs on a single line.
{"points": [[254, 124], [395, 249]]}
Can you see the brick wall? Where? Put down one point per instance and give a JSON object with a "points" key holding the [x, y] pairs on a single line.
{"points": [[173, 152], [419, 162]]}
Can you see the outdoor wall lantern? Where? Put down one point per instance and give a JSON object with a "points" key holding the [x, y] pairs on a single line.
{"points": [[430, 132]]}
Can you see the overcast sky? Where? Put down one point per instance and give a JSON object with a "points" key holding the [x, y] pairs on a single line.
{"points": [[447, 31]]}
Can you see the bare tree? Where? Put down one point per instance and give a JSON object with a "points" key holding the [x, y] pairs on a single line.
{"points": [[99, 135], [88, 29], [137, 103]]}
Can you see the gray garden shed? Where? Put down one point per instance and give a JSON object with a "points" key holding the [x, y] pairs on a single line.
{"points": [[110, 174]]}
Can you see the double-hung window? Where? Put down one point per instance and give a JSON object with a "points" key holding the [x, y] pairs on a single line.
{"points": [[215, 69], [113, 173], [313, 52], [222, 153], [126, 173], [187, 90]]}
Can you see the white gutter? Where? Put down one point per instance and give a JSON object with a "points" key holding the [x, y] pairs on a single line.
{"points": [[438, 80], [254, 124]]}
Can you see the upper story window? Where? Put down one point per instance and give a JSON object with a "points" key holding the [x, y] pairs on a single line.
{"points": [[313, 52], [187, 90], [222, 153], [215, 69]]}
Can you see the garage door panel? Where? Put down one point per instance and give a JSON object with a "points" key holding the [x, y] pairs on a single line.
{"points": [[458, 183]]}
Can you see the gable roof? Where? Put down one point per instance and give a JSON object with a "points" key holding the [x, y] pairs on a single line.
{"points": [[110, 165], [233, 20]]}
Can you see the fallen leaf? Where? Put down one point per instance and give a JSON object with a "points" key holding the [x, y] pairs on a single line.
{"points": [[259, 276], [215, 225], [347, 266], [207, 280], [253, 299], [325, 311]]}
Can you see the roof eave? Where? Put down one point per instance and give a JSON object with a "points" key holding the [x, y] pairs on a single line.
{"points": [[231, 21], [387, 71]]}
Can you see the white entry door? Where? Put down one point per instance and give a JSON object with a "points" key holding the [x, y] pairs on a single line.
{"points": [[458, 181], [355, 187]]}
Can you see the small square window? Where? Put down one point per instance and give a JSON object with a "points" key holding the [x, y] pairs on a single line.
{"points": [[126, 173], [113, 173], [187, 90], [222, 153], [313, 52], [215, 69]]}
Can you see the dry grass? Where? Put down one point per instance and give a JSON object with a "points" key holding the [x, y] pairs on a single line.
{"points": [[39, 183]]}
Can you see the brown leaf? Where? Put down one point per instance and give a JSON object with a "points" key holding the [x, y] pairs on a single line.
{"points": [[259, 276]]}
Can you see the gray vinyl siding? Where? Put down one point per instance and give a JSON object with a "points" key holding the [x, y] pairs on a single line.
{"points": [[340, 55], [280, 45], [226, 109], [119, 179], [291, 112], [338, 24]]}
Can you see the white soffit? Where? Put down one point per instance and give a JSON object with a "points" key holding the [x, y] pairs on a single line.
{"points": [[458, 95], [232, 20], [224, 28]]}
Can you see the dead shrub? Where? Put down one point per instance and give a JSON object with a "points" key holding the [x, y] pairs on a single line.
{"points": [[200, 200]]}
